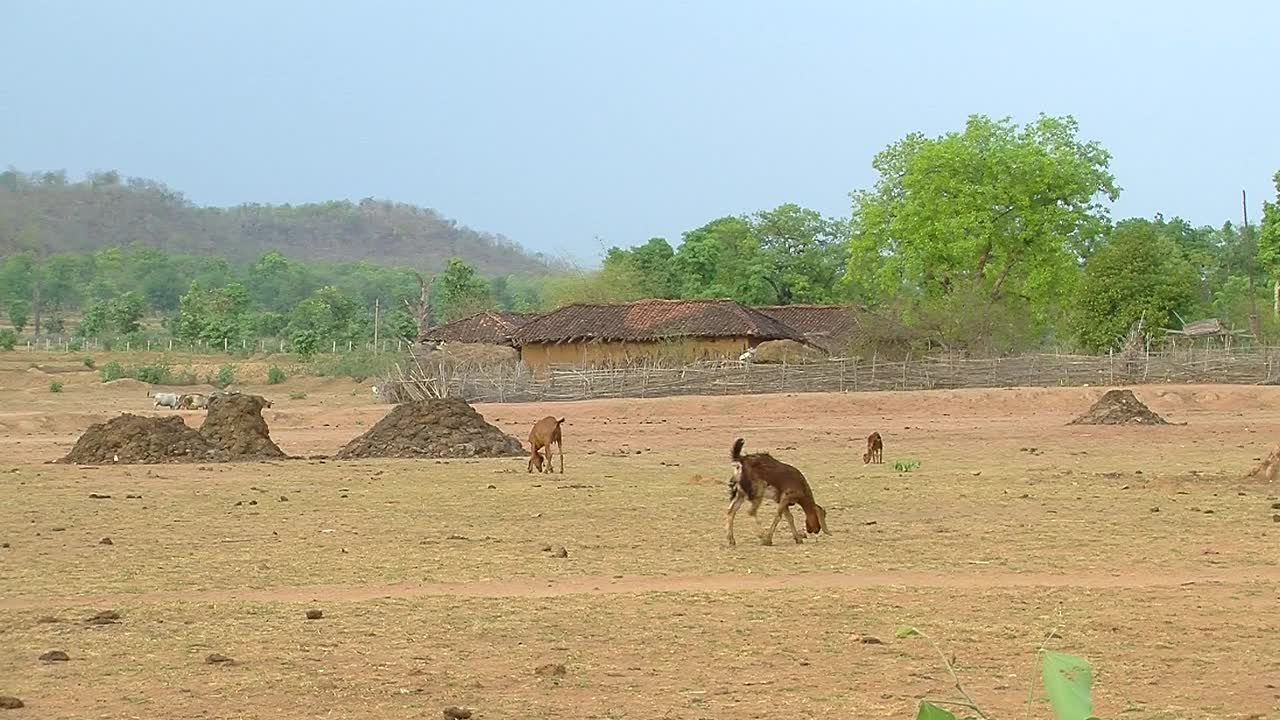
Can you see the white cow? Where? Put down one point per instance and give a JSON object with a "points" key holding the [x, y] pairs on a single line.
{"points": [[169, 400]]}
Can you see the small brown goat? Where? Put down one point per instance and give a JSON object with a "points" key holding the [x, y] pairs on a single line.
{"points": [[758, 475], [545, 432], [875, 450]]}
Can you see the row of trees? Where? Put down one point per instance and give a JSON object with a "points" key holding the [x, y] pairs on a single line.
{"points": [[994, 238]]}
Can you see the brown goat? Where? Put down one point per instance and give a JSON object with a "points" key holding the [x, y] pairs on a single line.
{"points": [[875, 450], [545, 432], [758, 475]]}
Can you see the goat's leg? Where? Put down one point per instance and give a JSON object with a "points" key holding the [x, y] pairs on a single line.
{"points": [[768, 536], [728, 518], [799, 537], [560, 447]]}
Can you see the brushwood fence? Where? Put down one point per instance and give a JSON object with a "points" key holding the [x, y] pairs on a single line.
{"points": [[1248, 366]]}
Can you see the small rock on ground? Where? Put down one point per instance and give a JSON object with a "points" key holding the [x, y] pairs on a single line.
{"points": [[99, 496], [314, 614], [456, 713], [55, 656], [551, 670], [869, 640], [8, 702], [218, 659], [105, 541], [105, 617]]}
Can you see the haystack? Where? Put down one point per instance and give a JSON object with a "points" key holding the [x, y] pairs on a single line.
{"points": [[1119, 407], [786, 351], [130, 439], [235, 422], [437, 428]]}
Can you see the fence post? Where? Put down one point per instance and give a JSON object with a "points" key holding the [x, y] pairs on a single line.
{"points": [[335, 346], [348, 346], [841, 374], [170, 344], [1111, 358], [224, 345]]}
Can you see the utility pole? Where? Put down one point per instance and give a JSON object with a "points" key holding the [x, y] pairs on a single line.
{"points": [[377, 304], [1253, 258]]}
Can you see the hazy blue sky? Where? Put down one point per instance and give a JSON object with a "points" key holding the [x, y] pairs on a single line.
{"points": [[556, 122]]}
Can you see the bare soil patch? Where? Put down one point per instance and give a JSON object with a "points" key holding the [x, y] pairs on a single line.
{"points": [[445, 428]]}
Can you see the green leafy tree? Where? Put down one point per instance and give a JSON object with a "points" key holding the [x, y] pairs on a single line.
{"points": [[992, 214], [723, 259], [648, 268], [1269, 245], [328, 315], [462, 291], [19, 313], [1137, 273], [805, 253], [8, 339], [213, 315], [124, 313]]}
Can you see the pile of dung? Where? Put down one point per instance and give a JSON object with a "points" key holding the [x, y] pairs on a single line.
{"points": [[235, 422], [445, 428], [1119, 407], [143, 440]]}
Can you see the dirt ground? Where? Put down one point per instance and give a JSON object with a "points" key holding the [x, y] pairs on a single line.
{"points": [[1139, 548]]}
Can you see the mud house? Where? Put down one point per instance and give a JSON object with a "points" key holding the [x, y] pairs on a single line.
{"points": [[647, 330]]}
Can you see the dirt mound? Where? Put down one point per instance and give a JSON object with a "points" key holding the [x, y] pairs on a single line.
{"points": [[1119, 407], [1267, 469], [137, 439], [235, 422], [448, 428]]}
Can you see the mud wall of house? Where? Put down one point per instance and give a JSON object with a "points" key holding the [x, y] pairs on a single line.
{"points": [[541, 355]]}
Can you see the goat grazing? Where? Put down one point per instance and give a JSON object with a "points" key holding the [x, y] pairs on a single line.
{"points": [[192, 401], [758, 475], [545, 432], [875, 450]]}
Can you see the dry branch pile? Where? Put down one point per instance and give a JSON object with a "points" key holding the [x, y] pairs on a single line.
{"points": [[437, 428], [1119, 407]]}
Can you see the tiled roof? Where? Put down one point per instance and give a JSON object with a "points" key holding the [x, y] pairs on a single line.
{"points": [[830, 327], [493, 328], [649, 320]]}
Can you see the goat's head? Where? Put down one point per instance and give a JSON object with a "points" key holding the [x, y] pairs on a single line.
{"points": [[866, 457], [535, 460]]}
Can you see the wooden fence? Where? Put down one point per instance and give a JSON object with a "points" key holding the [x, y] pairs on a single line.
{"points": [[1249, 366]]}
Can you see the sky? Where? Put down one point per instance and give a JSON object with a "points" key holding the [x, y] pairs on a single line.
{"points": [[569, 125]]}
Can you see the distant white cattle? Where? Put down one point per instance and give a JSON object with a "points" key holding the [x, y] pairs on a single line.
{"points": [[169, 400]]}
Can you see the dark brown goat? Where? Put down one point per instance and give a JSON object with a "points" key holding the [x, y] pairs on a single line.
{"points": [[545, 432], [875, 449], [758, 475]]}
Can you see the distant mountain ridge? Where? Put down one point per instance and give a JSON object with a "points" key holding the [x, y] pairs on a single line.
{"points": [[46, 211]]}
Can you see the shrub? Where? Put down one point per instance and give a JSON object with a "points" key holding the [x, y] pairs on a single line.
{"points": [[8, 339], [224, 377], [55, 387], [275, 375], [155, 373], [297, 396], [111, 371], [88, 362], [354, 365], [906, 465]]}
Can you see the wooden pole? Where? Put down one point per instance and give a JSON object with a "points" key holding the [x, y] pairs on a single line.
{"points": [[377, 305], [1253, 251]]}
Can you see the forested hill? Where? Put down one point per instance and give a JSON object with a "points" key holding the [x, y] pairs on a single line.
{"points": [[48, 213]]}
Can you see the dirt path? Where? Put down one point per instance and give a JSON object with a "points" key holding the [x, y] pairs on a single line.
{"points": [[613, 585]]}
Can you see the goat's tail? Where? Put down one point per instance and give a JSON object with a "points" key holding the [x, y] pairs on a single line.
{"points": [[560, 422], [736, 453]]}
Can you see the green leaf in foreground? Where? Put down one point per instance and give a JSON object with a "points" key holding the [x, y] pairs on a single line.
{"points": [[929, 711], [1067, 680], [905, 631]]}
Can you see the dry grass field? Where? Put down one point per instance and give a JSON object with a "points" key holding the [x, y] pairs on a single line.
{"points": [[1140, 548]]}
